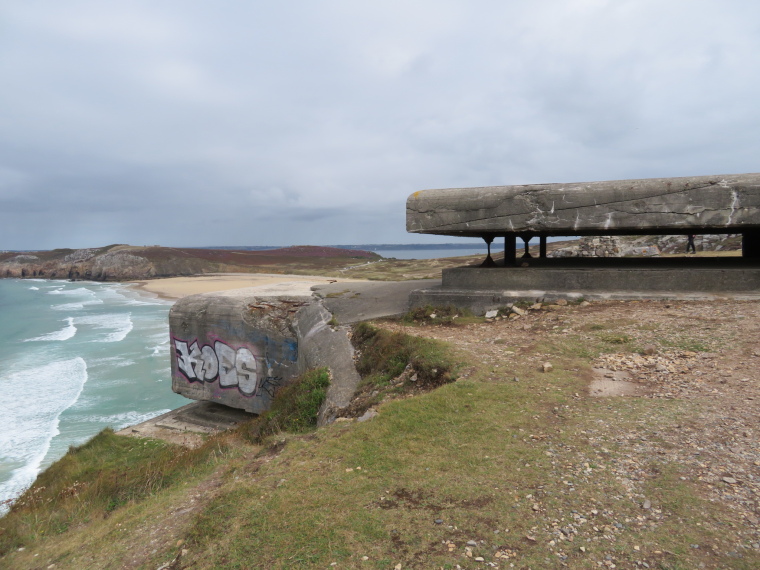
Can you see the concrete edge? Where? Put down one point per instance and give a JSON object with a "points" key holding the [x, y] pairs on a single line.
{"points": [[480, 301]]}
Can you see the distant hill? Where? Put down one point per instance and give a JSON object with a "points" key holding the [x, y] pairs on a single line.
{"points": [[125, 262], [369, 246]]}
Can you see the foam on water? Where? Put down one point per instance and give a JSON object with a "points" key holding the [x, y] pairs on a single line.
{"points": [[39, 394], [34, 288], [122, 420], [76, 305], [65, 333], [160, 349], [68, 307], [112, 361], [131, 298], [119, 323], [79, 291]]}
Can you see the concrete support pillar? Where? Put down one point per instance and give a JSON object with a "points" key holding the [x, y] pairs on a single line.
{"points": [[542, 247], [489, 262], [526, 242], [751, 244], [510, 247]]}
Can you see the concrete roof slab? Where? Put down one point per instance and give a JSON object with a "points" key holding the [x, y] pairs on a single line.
{"points": [[698, 204]]}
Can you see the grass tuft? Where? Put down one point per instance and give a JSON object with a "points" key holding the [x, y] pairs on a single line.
{"points": [[384, 355], [294, 410]]}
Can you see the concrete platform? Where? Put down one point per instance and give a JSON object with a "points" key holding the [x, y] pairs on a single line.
{"points": [[189, 424], [482, 289], [364, 300]]}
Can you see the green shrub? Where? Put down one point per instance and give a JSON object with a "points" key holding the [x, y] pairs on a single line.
{"points": [[384, 355], [294, 409]]}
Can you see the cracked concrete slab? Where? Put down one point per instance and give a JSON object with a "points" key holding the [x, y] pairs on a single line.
{"points": [[698, 204]]}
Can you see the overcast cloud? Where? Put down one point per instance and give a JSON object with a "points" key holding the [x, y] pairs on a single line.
{"points": [[187, 123]]}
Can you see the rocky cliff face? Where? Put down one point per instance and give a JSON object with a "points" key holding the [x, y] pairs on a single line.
{"points": [[93, 264]]}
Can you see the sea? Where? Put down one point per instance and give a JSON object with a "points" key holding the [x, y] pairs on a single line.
{"points": [[75, 358]]}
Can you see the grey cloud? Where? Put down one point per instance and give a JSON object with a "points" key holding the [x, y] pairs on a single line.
{"points": [[189, 123]]}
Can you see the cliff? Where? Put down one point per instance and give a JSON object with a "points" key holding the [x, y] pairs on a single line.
{"points": [[125, 262]]}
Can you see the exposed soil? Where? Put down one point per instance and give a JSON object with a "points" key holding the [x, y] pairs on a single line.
{"points": [[704, 355]]}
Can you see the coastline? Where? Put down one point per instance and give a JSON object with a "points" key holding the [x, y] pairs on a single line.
{"points": [[173, 288]]}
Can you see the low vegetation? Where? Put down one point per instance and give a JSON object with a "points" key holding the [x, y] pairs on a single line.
{"points": [[294, 410], [384, 356], [96, 479], [506, 467], [447, 315]]}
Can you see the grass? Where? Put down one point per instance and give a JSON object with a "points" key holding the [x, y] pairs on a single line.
{"points": [[294, 410], [96, 479], [506, 464], [384, 355]]}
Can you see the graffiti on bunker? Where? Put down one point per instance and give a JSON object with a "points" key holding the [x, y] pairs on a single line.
{"points": [[233, 368]]}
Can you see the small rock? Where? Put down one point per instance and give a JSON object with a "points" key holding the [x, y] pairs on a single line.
{"points": [[368, 415], [561, 302], [546, 367], [472, 543], [515, 379], [479, 559], [647, 504], [365, 558], [729, 480], [584, 304], [438, 521], [517, 311], [650, 349], [492, 314], [535, 307]]}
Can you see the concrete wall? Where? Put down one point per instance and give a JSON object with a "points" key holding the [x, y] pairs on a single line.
{"points": [[237, 349], [483, 289], [663, 279]]}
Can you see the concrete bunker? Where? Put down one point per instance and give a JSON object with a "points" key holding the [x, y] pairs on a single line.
{"points": [[719, 204], [236, 348]]}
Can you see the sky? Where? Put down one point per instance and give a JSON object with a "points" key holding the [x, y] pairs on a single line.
{"points": [[192, 123]]}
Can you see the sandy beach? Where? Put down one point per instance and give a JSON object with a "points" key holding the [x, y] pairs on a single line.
{"points": [[173, 288]]}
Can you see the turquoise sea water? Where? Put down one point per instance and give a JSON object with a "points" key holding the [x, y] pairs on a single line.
{"points": [[75, 357]]}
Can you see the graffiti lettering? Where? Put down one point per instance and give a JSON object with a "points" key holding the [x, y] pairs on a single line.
{"points": [[234, 368]]}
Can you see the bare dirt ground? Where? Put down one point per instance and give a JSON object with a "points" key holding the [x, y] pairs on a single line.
{"points": [[702, 357]]}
